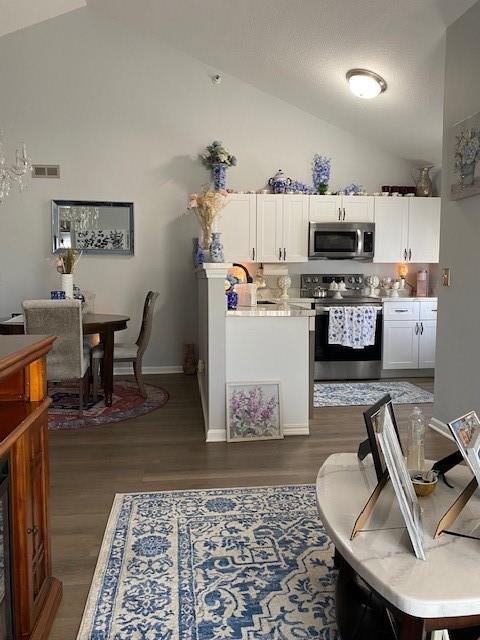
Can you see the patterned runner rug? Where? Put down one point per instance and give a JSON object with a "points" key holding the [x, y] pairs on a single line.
{"points": [[346, 394], [127, 403], [243, 564]]}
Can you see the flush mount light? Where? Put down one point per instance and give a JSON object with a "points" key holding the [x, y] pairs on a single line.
{"points": [[365, 84]]}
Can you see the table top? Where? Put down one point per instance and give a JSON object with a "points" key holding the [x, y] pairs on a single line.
{"points": [[92, 323], [445, 584]]}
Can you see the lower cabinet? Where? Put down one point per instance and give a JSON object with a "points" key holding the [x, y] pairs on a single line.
{"points": [[409, 343]]}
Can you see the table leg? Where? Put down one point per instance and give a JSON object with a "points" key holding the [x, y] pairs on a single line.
{"points": [[107, 340], [412, 628]]}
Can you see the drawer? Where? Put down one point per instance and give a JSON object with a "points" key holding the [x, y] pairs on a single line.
{"points": [[401, 310], [428, 309]]}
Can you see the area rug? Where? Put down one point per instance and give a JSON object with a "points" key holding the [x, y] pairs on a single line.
{"points": [[127, 403], [347, 394], [246, 564]]}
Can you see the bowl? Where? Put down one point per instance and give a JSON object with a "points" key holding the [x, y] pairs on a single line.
{"points": [[422, 488]]}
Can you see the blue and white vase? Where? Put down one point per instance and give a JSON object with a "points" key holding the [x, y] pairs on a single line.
{"points": [[216, 248], [219, 175], [232, 299], [198, 256]]}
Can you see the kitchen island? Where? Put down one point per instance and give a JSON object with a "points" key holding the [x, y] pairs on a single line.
{"points": [[270, 342]]}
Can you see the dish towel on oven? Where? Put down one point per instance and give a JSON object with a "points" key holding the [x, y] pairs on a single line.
{"points": [[353, 327]]}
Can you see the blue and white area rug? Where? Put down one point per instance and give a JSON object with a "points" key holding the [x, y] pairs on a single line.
{"points": [[347, 394], [243, 564]]}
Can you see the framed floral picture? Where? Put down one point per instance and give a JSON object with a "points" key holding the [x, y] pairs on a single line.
{"points": [[253, 411], [464, 158]]}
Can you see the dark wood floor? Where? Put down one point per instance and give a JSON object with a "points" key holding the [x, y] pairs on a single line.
{"points": [[166, 450]]}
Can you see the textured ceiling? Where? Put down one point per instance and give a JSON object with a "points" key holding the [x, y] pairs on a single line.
{"points": [[300, 50], [18, 14]]}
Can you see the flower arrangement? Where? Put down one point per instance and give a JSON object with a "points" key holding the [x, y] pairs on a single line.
{"points": [[217, 153], [467, 152], [65, 261], [321, 170], [207, 205]]}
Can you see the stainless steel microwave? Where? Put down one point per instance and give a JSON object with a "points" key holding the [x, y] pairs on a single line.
{"points": [[341, 240]]}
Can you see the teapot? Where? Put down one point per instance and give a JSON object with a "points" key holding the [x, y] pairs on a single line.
{"points": [[279, 182]]}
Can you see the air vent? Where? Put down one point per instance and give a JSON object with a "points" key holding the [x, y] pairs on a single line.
{"points": [[45, 171]]}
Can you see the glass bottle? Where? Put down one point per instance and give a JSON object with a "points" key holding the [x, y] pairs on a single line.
{"points": [[416, 441]]}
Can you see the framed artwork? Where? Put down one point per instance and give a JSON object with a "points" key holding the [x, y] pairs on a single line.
{"points": [[466, 431], [371, 416], [253, 411], [464, 158]]}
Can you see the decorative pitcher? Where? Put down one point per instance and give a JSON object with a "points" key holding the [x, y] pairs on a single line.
{"points": [[423, 182], [279, 182]]}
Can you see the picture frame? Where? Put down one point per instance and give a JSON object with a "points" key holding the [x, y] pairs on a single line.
{"points": [[253, 411], [463, 158], [370, 417], [466, 432]]}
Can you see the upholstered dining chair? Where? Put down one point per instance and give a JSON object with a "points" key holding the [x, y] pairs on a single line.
{"points": [[69, 359], [129, 352]]}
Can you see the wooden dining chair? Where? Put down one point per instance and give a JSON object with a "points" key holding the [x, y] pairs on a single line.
{"points": [[129, 352], [69, 358]]}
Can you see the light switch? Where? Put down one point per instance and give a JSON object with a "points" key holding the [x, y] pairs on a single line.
{"points": [[446, 277]]}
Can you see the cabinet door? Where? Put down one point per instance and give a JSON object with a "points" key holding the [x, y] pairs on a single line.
{"points": [[325, 208], [295, 228], [358, 209], [237, 225], [391, 229], [424, 229], [269, 228], [400, 344], [427, 344]]}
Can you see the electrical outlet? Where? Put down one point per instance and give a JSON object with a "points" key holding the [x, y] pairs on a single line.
{"points": [[446, 277]]}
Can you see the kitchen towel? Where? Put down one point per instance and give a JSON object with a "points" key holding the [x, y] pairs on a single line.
{"points": [[353, 327]]}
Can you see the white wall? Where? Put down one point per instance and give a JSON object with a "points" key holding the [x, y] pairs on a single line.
{"points": [[457, 386], [125, 116]]}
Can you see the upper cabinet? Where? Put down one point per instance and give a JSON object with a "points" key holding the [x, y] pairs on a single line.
{"points": [[237, 225], [342, 209], [282, 228], [407, 229]]}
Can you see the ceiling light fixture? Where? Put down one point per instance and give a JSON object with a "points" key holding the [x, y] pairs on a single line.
{"points": [[365, 84]]}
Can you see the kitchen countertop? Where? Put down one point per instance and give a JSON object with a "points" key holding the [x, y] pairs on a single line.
{"points": [[290, 300], [410, 298], [285, 310]]}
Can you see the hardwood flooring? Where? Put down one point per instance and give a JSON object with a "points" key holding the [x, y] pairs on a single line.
{"points": [[166, 450]]}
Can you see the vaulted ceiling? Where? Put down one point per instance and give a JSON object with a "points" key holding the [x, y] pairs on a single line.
{"points": [[18, 14], [300, 50]]}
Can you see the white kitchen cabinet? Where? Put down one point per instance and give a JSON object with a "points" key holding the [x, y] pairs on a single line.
{"points": [[269, 228], [424, 230], [407, 229], [391, 229], [325, 208], [237, 224], [400, 344], [427, 344], [295, 228], [409, 334], [282, 228], [358, 209]]}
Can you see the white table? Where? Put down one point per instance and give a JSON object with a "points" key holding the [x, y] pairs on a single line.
{"points": [[442, 592]]}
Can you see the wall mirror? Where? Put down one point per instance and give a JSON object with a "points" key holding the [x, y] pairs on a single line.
{"points": [[92, 227]]}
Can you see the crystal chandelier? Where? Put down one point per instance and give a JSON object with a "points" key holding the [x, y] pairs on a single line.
{"points": [[13, 174]]}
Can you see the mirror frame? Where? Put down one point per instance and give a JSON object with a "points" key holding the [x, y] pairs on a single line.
{"points": [[55, 223]]}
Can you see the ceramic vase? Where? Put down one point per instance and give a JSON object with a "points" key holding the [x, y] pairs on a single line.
{"points": [[216, 248], [219, 175], [67, 285], [232, 299], [284, 284]]}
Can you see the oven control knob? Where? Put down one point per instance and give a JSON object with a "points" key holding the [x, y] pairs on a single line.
{"points": [[358, 279], [307, 280], [351, 279]]}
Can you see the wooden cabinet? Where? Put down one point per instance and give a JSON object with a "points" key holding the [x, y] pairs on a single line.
{"points": [[282, 228], [24, 439], [409, 334], [407, 229], [237, 225], [342, 208]]}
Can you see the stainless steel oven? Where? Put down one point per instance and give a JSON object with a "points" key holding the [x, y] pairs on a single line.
{"points": [[341, 240]]}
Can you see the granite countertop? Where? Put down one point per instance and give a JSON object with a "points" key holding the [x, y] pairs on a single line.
{"points": [[284, 310]]}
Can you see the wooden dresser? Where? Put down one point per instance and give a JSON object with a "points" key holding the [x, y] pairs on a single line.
{"points": [[31, 594]]}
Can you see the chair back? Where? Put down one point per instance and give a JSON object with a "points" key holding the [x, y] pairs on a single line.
{"points": [[63, 319], [147, 322]]}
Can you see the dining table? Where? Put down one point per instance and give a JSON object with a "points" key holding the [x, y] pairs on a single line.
{"points": [[103, 324]]}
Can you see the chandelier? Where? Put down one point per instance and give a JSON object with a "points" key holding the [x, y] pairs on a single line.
{"points": [[13, 174]]}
